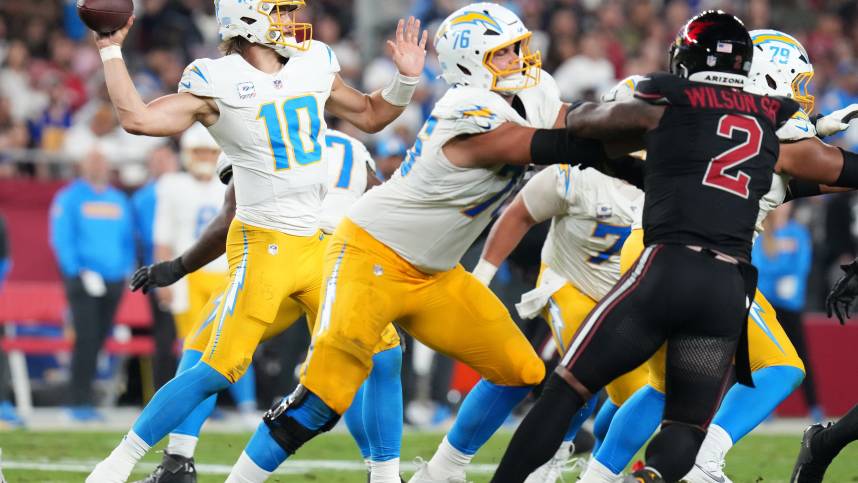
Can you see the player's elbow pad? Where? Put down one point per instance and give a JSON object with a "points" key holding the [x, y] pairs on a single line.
{"points": [[849, 173], [552, 146]]}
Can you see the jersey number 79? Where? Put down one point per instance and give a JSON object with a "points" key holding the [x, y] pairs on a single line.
{"points": [[716, 176]]}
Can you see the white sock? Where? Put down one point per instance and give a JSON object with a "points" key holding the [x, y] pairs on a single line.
{"points": [[246, 471], [121, 461], [598, 473], [448, 461], [182, 445], [384, 471], [718, 439]]}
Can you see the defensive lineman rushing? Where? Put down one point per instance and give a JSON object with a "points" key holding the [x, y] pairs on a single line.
{"points": [[262, 102], [395, 256]]}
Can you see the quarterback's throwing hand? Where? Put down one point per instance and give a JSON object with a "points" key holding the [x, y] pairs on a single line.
{"points": [[843, 293], [409, 48], [113, 38]]}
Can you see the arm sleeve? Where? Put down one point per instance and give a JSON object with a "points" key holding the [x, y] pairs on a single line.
{"points": [[62, 224], [548, 193]]}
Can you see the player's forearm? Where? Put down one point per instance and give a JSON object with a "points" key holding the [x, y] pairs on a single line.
{"points": [[507, 232], [211, 244], [379, 113]]}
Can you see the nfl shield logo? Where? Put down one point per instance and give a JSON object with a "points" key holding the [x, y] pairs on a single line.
{"points": [[278, 84]]}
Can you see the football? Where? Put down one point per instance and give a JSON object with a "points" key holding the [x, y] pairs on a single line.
{"points": [[105, 16]]}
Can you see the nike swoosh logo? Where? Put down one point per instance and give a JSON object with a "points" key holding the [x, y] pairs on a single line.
{"points": [[805, 129], [186, 85], [718, 479]]}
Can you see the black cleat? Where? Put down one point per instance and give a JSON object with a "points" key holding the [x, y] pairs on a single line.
{"points": [[809, 468], [173, 469], [646, 475]]}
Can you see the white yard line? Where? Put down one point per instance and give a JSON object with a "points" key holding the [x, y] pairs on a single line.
{"points": [[290, 467]]}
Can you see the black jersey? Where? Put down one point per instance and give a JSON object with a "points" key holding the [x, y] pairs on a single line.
{"points": [[709, 162]]}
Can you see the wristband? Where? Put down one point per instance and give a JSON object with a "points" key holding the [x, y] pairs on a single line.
{"points": [[484, 271], [849, 173], [110, 52], [400, 90]]}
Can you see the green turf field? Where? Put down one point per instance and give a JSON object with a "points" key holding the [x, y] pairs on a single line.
{"points": [[757, 459]]}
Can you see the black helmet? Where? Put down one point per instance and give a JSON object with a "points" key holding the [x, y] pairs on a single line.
{"points": [[712, 42]]}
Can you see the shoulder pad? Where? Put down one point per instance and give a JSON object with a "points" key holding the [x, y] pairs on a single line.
{"points": [[197, 79], [658, 87], [325, 56], [542, 102], [796, 128], [788, 109], [474, 110]]}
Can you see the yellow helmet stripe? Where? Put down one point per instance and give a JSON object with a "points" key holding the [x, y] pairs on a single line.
{"points": [[780, 38], [475, 18]]}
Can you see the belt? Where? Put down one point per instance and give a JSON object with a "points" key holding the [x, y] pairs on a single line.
{"points": [[714, 254]]}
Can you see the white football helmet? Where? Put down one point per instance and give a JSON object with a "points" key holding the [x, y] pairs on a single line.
{"points": [[624, 90], [469, 38], [780, 67], [265, 22], [198, 149]]}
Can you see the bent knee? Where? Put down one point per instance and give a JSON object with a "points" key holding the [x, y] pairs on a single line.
{"points": [[529, 371]]}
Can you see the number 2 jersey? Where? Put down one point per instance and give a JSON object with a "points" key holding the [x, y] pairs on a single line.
{"points": [[431, 210], [709, 162], [271, 127]]}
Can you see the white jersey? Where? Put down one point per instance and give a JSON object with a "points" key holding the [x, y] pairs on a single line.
{"points": [[184, 206], [591, 217], [348, 161], [271, 126], [795, 129], [431, 210]]}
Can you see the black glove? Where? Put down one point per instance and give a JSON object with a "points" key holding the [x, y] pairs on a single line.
{"points": [[158, 275], [843, 293]]}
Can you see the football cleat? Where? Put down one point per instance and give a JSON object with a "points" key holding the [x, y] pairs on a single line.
{"points": [[422, 475], [709, 468], [552, 471], [173, 469], [809, 468], [646, 475]]}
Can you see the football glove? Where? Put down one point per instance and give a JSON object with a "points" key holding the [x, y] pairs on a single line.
{"points": [[160, 274], [836, 121], [843, 293]]}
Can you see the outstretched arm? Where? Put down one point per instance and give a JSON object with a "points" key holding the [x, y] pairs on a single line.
{"points": [[813, 160], [372, 112], [210, 245], [612, 121], [165, 116]]}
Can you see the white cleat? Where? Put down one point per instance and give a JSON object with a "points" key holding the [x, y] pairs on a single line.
{"points": [[102, 473], [423, 475], [552, 471], [709, 469]]}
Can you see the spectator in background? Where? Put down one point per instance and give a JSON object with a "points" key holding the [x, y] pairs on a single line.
{"points": [[16, 85], [782, 254], [48, 130], [92, 236], [8, 415], [162, 161], [389, 153], [844, 93], [588, 74], [103, 129]]}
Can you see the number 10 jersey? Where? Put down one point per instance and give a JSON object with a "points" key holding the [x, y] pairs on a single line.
{"points": [[272, 128]]}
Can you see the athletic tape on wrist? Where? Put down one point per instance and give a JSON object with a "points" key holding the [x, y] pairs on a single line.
{"points": [[484, 271], [110, 52], [400, 90]]}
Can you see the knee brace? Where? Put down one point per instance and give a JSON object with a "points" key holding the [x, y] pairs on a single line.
{"points": [[285, 430]]}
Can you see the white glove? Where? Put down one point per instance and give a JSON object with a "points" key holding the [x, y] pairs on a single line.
{"points": [[93, 283], [484, 272], [836, 121]]}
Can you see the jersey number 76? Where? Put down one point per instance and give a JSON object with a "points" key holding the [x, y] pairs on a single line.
{"points": [[301, 147], [716, 176]]}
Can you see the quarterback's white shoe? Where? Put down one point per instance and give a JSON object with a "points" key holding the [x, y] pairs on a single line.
{"points": [[707, 469], [552, 471], [422, 475]]}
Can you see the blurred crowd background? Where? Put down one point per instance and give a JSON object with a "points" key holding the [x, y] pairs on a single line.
{"points": [[54, 109]]}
